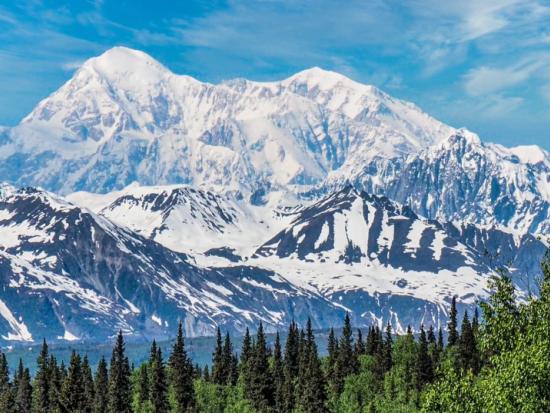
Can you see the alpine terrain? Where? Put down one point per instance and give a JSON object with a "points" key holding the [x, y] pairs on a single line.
{"points": [[134, 197]]}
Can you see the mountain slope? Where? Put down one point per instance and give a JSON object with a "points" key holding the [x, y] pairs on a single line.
{"points": [[89, 277], [124, 117], [463, 179], [365, 253]]}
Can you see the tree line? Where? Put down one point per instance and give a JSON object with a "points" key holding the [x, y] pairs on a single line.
{"points": [[496, 362]]}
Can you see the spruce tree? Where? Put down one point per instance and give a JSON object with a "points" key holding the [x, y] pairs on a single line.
{"points": [[219, 373], [475, 322], [57, 378], [227, 357], [181, 375], [292, 350], [246, 348], [452, 339], [278, 375], [467, 348], [424, 366], [346, 363], [7, 397], [260, 389], [311, 386], [120, 397], [23, 389], [388, 348], [41, 387], [370, 345], [142, 387], [290, 368], [101, 385], [360, 348], [332, 349], [158, 388], [72, 390], [440, 345], [89, 389], [433, 349]]}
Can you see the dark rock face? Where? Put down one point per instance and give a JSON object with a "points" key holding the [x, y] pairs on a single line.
{"points": [[388, 229], [68, 270], [463, 179], [67, 273]]}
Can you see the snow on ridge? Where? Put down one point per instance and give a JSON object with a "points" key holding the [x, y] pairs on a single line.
{"points": [[19, 331]]}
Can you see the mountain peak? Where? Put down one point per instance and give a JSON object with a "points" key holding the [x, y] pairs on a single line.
{"points": [[324, 79], [123, 61]]}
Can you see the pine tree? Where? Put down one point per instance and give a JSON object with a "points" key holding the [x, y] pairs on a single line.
{"points": [[246, 348], [181, 375], [370, 345], [433, 349], [158, 388], [260, 389], [119, 379], [360, 348], [290, 368], [197, 371], [101, 384], [346, 363], [88, 382], [206, 374], [227, 357], [72, 389], [219, 373], [440, 345], [475, 322], [278, 375], [142, 386], [57, 378], [311, 386], [424, 362], [23, 389], [7, 398], [452, 325], [467, 348], [388, 348], [431, 336], [292, 350], [332, 349], [234, 370], [41, 387]]}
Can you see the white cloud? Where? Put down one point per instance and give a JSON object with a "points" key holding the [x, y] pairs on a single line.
{"points": [[483, 80], [72, 65]]}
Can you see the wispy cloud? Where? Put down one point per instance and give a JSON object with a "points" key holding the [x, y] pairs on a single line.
{"points": [[484, 79]]}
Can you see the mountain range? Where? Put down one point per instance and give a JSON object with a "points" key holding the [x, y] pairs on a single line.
{"points": [[135, 197]]}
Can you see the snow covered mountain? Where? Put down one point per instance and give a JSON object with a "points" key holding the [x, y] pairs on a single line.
{"points": [[123, 117], [237, 263], [67, 273], [463, 179], [243, 201], [363, 252]]}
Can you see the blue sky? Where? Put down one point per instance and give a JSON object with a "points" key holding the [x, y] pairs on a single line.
{"points": [[483, 64]]}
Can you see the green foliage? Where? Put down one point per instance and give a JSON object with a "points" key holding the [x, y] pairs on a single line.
{"points": [[214, 398], [515, 340]]}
